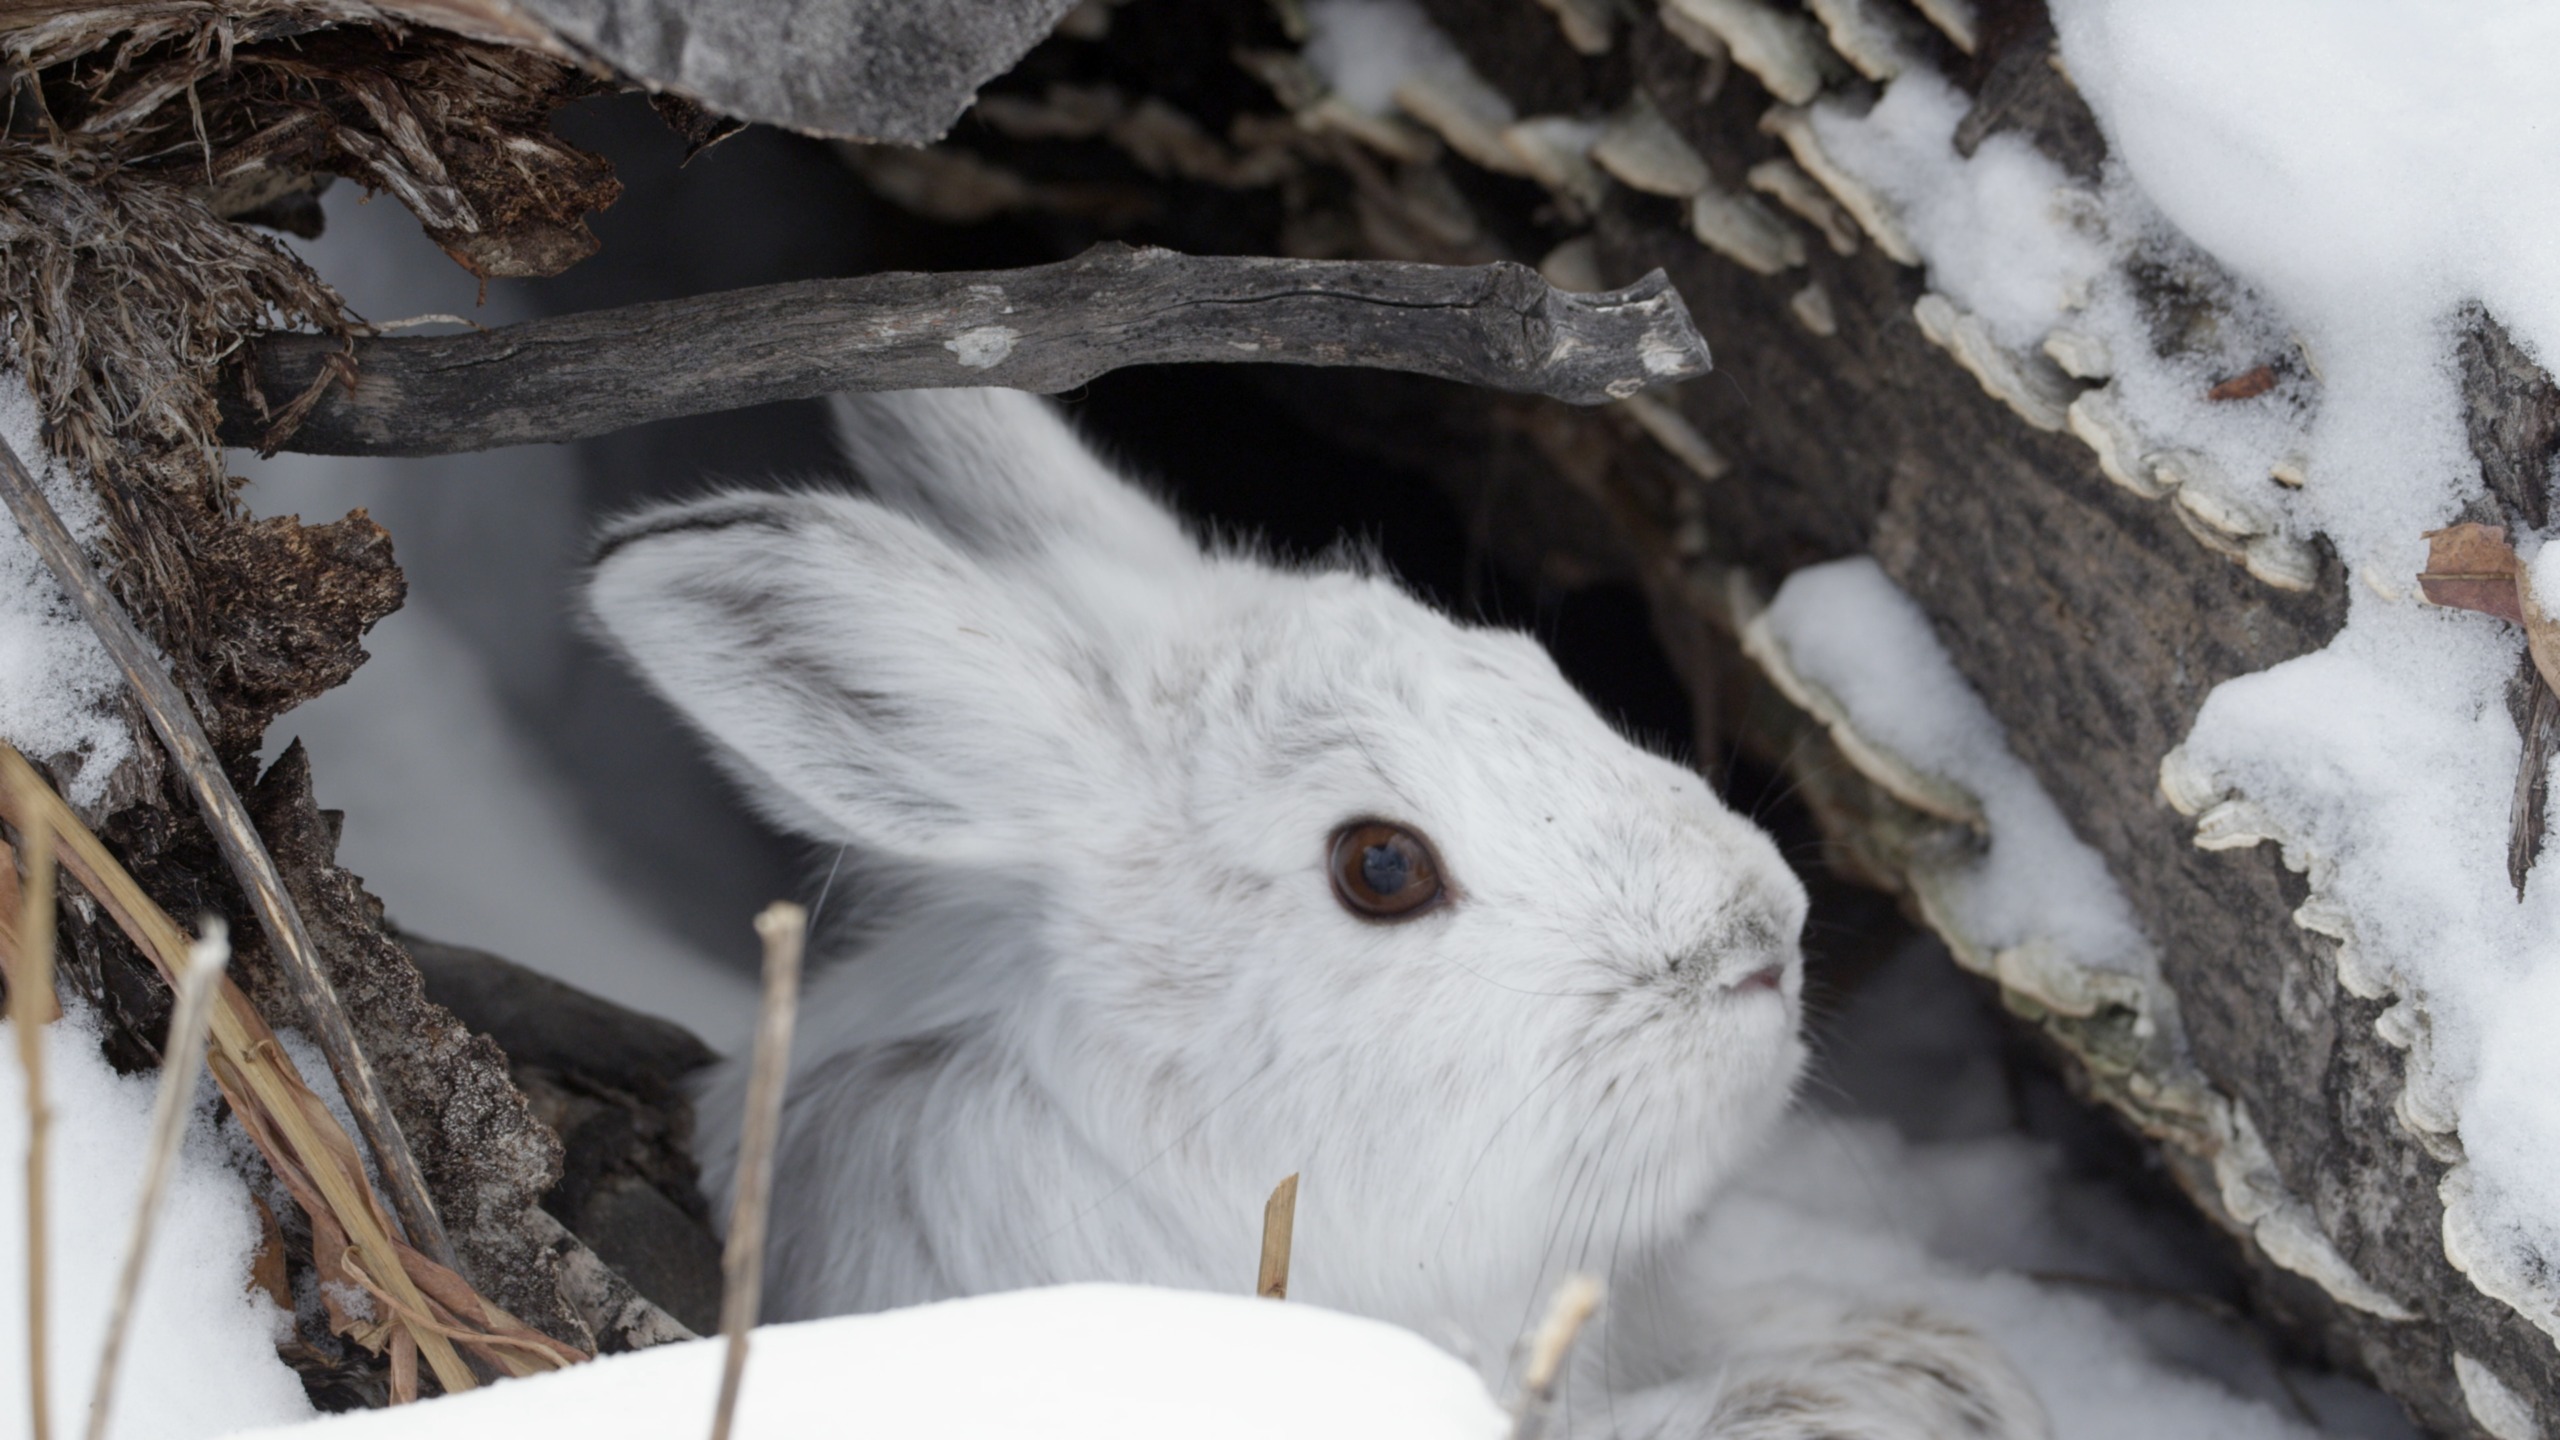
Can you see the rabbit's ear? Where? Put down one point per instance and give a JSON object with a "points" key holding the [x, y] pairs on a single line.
{"points": [[867, 682], [1000, 473]]}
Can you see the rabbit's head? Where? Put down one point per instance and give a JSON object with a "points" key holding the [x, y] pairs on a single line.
{"points": [[1262, 870]]}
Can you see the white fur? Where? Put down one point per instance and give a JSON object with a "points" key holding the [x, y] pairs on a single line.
{"points": [[1102, 998]]}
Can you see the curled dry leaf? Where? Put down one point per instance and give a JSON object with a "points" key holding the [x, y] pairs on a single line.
{"points": [[2247, 385], [2472, 567]]}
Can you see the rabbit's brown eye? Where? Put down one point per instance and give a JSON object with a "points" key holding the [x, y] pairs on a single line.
{"points": [[1383, 871]]}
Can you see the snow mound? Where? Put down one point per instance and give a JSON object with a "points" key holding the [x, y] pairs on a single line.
{"points": [[1852, 1207], [1123, 1361], [1847, 629], [201, 1359], [1999, 242], [57, 684], [1365, 48]]}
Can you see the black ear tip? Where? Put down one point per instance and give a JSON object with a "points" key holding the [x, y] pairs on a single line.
{"points": [[726, 512]]}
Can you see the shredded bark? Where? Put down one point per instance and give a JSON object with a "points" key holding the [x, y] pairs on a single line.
{"points": [[136, 137]]}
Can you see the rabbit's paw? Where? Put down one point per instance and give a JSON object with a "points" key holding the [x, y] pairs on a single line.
{"points": [[1870, 1373]]}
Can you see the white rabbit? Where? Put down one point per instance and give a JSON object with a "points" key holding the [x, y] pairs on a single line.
{"points": [[1183, 872]]}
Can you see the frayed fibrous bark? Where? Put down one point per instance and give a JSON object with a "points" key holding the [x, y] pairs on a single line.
{"points": [[121, 293], [138, 135]]}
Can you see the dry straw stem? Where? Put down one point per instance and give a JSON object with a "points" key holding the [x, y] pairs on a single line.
{"points": [[1279, 1223], [420, 1308], [175, 1100], [31, 1004], [191, 752], [10, 901], [1575, 1302], [785, 929]]}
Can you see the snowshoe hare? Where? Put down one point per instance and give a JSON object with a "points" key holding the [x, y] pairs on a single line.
{"points": [[1181, 872]]}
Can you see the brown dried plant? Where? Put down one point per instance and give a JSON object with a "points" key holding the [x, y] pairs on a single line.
{"points": [[411, 1307]]}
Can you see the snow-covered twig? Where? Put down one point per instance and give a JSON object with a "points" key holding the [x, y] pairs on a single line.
{"points": [[180, 1059], [1576, 1301], [1047, 328], [785, 929], [30, 1002], [278, 917]]}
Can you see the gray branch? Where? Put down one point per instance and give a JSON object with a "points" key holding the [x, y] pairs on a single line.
{"points": [[1048, 328]]}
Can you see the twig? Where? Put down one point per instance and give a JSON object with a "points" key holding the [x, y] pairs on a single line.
{"points": [[1576, 1300], [30, 997], [175, 1101], [785, 928], [278, 918], [1047, 328], [2532, 794], [1279, 1223]]}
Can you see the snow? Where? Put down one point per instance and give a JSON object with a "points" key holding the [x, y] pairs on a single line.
{"points": [[1849, 630], [1915, 1182], [1078, 1360], [1365, 48], [57, 684], [201, 1359], [2370, 166], [1999, 245], [2544, 566]]}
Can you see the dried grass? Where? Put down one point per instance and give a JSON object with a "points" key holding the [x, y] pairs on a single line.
{"points": [[1574, 1303], [784, 928], [419, 1309], [1279, 1229], [31, 1001], [171, 1104]]}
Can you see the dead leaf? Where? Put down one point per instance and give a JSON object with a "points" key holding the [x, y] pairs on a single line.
{"points": [[2247, 385], [266, 1263], [2471, 567]]}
